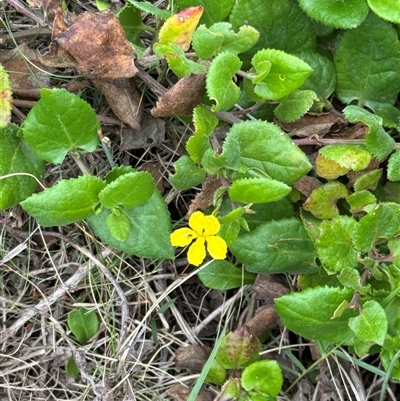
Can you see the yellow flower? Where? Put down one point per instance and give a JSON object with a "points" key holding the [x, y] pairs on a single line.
{"points": [[202, 230]]}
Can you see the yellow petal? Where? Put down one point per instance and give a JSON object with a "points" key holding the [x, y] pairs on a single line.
{"points": [[216, 247], [182, 237], [196, 222], [211, 225], [197, 252]]}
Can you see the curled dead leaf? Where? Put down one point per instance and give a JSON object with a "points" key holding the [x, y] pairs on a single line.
{"points": [[191, 357], [179, 392], [97, 42], [182, 98]]}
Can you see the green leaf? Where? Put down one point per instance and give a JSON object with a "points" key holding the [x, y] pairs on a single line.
{"points": [[389, 353], [66, 202], [351, 157], [223, 275], [368, 180], [150, 8], [150, 229], [238, 349], [388, 10], [334, 244], [129, 190], [310, 314], [119, 225], [131, 20], [71, 367], [58, 123], [392, 191], [286, 73], [390, 115], [219, 84], [295, 105], [177, 60], [187, 174], [204, 121], [117, 172], [278, 157], [258, 190], [322, 201], [350, 278], [323, 78], [83, 323], [263, 377], [371, 325], [394, 246], [5, 98], [207, 43], [276, 247], [359, 200], [368, 63], [393, 169], [281, 23], [346, 14], [381, 222], [17, 158], [214, 11]]}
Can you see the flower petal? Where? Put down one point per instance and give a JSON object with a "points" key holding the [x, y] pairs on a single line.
{"points": [[197, 252], [216, 246], [182, 237], [211, 225], [196, 222]]}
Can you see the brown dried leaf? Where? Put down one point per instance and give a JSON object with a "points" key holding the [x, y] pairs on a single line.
{"points": [[27, 75], [124, 98], [152, 133], [205, 197], [191, 357], [313, 124], [155, 169], [179, 392], [307, 184], [97, 41], [57, 57], [182, 98], [268, 288], [265, 318]]}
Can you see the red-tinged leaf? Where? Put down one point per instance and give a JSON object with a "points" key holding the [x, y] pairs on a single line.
{"points": [[179, 28]]}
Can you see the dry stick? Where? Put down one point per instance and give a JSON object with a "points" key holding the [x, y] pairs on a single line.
{"points": [[27, 12]]}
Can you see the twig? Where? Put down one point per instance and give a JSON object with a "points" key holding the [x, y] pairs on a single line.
{"points": [[27, 12]]}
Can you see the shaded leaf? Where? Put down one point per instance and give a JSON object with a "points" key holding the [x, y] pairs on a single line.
{"points": [[119, 225], [187, 174], [394, 166], [150, 8]]}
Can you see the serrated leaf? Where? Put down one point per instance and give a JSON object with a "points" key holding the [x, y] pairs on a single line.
{"points": [[382, 222], [238, 349], [328, 169], [281, 23], [206, 43], [276, 247], [177, 60], [149, 233], [223, 275], [350, 278], [368, 180], [117, 172], [295, 105], [378, 142], [358, 200], [17, 158], [278, 157], [258, 190], [131, 20], [263, 377], [179, 28], [388, 10], [310, 314], [394, 246], [390, 115], [371, 325], [119, 225], [187, 174], [286, 74], [351, 157], [150, 8], [393, 169], [219, 84], [323, 78], [83, 324], [368, 63], [66, 202], [214, 11], [58, 123], [322, 201], [204, 121], [5, 98], [339, 14], [334, 244], [128, 190]]}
